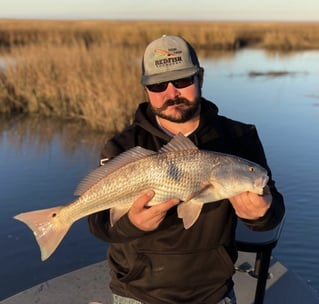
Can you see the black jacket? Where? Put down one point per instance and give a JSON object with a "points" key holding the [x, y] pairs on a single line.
{"points": [[171, 264]]}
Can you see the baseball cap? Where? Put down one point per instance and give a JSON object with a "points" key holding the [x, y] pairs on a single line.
{"points": [[168, 58]]}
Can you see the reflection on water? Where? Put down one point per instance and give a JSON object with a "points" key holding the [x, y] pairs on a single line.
{"points": [[39, 133], [42, 161]]}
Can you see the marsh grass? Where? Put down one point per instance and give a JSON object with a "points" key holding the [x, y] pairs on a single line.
{"points": [[99, 85], [90, 70]]}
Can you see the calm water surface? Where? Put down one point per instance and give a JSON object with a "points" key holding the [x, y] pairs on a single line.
{"points": [[42, 162]]}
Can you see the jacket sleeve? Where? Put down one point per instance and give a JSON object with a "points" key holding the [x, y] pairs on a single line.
{"points": [[252, 149]]}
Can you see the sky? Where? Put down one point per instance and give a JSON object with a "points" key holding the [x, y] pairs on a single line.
{"points": [[210, 10]]}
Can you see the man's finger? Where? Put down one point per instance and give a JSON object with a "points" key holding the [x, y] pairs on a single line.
{"points": [[165, 206], [143, 200], [170, 203]]}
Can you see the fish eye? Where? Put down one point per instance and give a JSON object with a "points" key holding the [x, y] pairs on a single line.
{"points": [[251, 169]]}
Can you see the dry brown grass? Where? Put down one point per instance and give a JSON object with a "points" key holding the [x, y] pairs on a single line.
{"points": [[90, 70], [99, 85]]}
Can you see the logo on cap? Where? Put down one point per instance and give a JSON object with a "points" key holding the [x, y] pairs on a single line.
{"points": [[169, 57]]}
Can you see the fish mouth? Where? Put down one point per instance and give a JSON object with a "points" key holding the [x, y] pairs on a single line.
{"points": [[261, 182]]}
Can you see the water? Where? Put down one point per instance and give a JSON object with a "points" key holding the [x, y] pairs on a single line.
{"points": [[41, 163], [286, 112]]}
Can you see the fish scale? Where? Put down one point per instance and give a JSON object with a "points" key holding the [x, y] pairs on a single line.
{"points": [[123, 185]]}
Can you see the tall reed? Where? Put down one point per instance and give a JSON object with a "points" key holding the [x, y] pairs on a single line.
{"points": [[99, 85]]}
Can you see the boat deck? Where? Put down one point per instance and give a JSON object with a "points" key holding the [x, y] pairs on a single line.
{"points": [[89, 285]]}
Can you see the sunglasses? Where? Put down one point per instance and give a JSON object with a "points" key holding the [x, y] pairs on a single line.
{"points": [[178, 84]]}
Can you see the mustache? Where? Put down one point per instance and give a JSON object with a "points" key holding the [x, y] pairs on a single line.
{"points": [[172, 102]]}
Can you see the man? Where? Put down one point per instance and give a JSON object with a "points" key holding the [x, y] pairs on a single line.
{"points": [[153, 259]]}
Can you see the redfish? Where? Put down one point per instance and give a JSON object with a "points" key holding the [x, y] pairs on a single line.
{"points": [[178, 170]]}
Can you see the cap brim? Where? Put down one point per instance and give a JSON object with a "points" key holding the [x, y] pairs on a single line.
{"points": [[167, 76]]}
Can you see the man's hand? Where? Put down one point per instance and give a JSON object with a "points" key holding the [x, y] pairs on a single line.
{"points": [[149, 218], [250, 205]]}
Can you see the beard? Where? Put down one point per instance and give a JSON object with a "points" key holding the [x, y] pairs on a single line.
{"points": [[181, 115]]}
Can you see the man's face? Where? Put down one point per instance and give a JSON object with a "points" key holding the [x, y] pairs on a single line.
{"points": [[173, 103]]}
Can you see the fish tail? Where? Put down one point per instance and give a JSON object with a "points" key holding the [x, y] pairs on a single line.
{"points": [[47, 228]]}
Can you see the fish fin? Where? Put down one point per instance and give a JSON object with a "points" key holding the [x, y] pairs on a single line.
{"points": [[117, 213], [112, 165], [46, 227], [201, 193], [206, 194], [189, 211], [178, 143]]}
